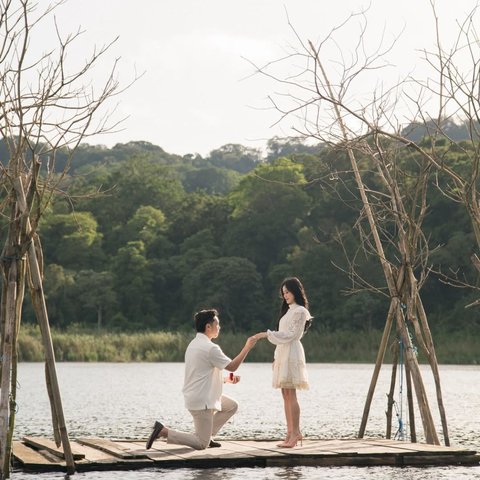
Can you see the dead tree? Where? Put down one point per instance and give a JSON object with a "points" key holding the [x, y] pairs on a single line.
{"points": [[453, 85], [46, 106], [321, 96]]}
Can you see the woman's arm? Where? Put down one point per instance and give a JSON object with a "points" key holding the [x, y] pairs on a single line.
{"points": [[294, 331]]}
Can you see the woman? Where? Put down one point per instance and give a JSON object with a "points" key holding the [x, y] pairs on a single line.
{"points": [[289, 368]]}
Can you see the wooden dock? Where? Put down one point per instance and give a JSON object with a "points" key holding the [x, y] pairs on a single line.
{"points": [[42, 455]]}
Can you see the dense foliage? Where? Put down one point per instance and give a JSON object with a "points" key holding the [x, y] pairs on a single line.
{"points": [[146, 238]]}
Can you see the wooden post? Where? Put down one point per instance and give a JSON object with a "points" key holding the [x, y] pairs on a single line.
{"points": [[432, 360], [376, 371], [38, 300], [7, 350], [13, 384], [411, 413], [422, 399], [391, 392]]}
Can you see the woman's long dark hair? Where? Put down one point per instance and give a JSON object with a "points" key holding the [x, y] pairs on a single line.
{"points": [[293, 285]]}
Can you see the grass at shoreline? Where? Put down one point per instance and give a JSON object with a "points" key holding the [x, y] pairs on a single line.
{"points": [[320, 347]]}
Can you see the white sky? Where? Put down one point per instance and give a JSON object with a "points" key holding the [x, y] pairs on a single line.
{"points": [[197, 92]]}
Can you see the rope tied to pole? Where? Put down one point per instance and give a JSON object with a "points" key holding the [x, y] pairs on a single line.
{"points": [[400, 433], [399, 410]]}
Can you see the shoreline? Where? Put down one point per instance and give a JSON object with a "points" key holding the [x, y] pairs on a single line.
{"points": [[458, 348]]}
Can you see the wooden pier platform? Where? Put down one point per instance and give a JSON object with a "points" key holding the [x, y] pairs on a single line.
{"points": [[41, 454]]}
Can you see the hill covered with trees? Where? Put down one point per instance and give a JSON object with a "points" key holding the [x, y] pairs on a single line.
{"points": [[144, 238]]}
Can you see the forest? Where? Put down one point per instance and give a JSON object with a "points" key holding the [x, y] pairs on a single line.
{"points": [[144, 238]]}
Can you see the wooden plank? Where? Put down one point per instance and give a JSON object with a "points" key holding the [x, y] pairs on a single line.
{"points": [[101, 459], [93, 455], [113, 448], [106, 454], [423, 447], [42, 443], [259, 448], [29, 456]]}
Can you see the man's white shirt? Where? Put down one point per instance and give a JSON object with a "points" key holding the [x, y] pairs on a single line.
{"points": [[203, 383]]}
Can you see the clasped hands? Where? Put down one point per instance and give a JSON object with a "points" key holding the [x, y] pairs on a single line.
{"points": [[260, 335]]}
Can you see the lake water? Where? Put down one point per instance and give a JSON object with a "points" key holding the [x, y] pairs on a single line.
{"points": [[124, 400]]}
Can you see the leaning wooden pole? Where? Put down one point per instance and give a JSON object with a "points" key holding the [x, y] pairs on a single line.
{"points": [[422, 399], [39, 304], [376, 371], [38, 300], [13, 268], [411, 412], [7, 351], [432, 360], [391, 391], [16, 328]]}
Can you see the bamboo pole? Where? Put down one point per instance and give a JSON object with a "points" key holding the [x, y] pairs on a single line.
{"points": [[376, 370], [411, 412], [3, 330], [422, 399], [432, 360], [7, 349], [51, 396], [38, 300], [391, 392], [13, 384]]}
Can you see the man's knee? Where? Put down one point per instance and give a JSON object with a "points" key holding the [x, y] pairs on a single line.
{"points": [[202, 444], [229, 405]]}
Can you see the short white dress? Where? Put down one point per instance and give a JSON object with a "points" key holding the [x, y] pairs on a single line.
{"points": [[289, 367]]}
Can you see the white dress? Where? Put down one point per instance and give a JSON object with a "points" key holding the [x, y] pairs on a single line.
{"points": [[289, 367]]}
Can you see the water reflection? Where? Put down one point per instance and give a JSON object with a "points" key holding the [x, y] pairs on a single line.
{"points": [[290, 473]]}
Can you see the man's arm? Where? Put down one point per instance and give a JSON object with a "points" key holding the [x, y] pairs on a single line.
{"points": [[237, 361]]}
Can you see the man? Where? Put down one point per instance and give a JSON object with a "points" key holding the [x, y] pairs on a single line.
{"points": [[203, 384]]}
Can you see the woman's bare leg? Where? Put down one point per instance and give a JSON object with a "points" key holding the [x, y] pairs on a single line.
{"points": [[294, 413], [287, 409], [294, 418]]}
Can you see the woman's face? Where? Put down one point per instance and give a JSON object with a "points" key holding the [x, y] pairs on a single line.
{"points": [[287, 295]]}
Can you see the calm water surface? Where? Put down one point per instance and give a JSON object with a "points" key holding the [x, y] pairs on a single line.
{"points": [[123, 400]]}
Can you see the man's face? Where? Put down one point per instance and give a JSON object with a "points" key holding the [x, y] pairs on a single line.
{"points": [[213, 328]]}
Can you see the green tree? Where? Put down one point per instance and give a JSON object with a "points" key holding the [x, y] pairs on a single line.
{"points": [[146, 224], [137, 183], [235, 157], [231, 284], [133, 286], [94, 291], [212, 180], [269, 207], [198, 212], [59, 285], [73, 240], [288, 147]]}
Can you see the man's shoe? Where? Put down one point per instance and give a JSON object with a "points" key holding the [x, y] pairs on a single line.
{"points": [[157, 428], [214, 444]]}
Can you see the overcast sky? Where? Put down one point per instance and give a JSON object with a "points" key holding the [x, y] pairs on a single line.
{"points": [[197, 91]]}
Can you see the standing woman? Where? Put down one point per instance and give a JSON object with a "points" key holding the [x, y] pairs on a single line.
{"points": [[289, 366]]}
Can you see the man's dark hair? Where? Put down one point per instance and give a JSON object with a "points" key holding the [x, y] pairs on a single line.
{"points": [[203, 317]]}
